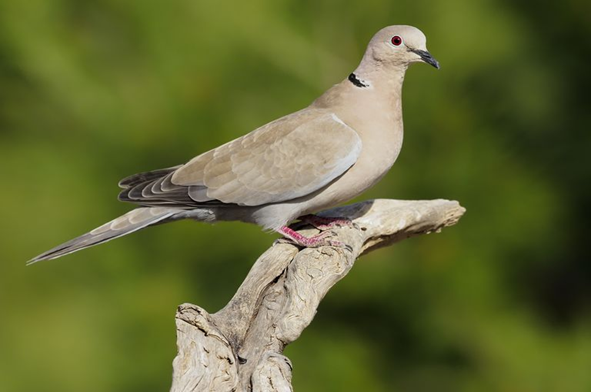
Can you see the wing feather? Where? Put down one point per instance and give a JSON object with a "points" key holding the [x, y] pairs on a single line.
{"points": [[283, 160], [286, 159]]}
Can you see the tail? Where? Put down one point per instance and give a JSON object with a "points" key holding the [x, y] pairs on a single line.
{"points": [[134, 220]]}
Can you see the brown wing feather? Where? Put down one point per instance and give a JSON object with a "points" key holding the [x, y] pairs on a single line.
{"points": [[285, 159], [288, 158]]}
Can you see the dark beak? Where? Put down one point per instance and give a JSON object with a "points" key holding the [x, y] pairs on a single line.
{"points": [[426, 57]]}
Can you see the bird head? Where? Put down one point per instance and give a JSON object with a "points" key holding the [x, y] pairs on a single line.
{"points": [[400, 46]]}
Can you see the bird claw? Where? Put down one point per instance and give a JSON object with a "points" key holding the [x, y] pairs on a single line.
{"points": [[325, 223], [322, 239], [341, 245]]}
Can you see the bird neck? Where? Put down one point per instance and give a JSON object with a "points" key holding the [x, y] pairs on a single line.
{"points": [[370, 91], [386, 79]]}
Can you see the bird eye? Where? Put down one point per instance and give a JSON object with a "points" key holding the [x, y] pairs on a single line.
{"points": [[396, 40]]}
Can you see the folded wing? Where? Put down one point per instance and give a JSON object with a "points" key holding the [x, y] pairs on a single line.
{"points": [[283, 160]]}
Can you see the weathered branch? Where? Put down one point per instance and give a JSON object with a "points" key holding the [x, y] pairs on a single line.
{"points": [[240, 347]]}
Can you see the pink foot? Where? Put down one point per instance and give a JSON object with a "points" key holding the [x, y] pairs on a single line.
{"points": [[319, 240], [325, 223]]}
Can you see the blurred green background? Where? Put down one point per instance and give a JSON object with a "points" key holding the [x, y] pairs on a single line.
{"points": [[91, 91]]}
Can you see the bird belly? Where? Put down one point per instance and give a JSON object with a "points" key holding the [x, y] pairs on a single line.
{"points": [[380, 148], [374, 162]]}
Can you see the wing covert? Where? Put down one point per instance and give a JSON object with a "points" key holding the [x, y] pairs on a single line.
{"points": [[283, 160]]}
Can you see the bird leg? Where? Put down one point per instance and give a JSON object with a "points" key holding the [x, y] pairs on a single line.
{"points": [[325, 223], [322, 239]]}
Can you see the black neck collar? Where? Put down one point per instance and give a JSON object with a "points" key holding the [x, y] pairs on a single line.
{"points": [[358, 83]]}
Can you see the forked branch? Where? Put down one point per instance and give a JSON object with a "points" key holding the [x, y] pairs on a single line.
{"points": [[240, 347]]}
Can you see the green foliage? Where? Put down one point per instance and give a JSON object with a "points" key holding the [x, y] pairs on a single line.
{"points": [[93, 91]]}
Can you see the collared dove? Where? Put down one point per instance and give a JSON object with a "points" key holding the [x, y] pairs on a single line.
{"points": [[318, 157]]}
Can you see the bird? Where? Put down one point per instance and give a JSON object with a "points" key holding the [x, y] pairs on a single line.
{"points": [[330, 152]]}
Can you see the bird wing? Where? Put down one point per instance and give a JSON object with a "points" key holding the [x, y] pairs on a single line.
{"points": [[283, 160]]}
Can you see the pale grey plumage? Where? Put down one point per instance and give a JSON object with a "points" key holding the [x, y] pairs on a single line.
{"points": [[251, 170], [326, 154]]}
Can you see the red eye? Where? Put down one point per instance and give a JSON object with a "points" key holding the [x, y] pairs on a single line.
{"points": [[396, 40]]}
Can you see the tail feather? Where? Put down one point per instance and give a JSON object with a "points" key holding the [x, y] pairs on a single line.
{"points": [[138, 178], [128, 223]]}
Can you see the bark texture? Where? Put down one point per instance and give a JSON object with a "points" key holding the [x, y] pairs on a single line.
{"points": [[240, 347]]}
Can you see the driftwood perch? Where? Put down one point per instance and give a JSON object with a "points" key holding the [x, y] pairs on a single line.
{"points": [[240, 347]]}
